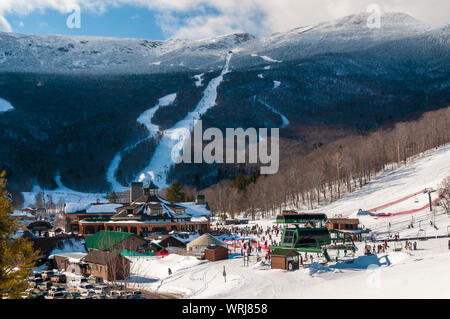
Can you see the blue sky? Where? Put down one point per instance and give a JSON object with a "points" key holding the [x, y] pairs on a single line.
{"points": [[160, 19], [124, 22]]}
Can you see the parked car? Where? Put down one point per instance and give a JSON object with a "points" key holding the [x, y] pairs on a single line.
{"points": [[46, 275], [101, 289], [57, 288], [86, 286], [88, 293], [45, 285], [34, 283], [41, 295], [56, 295], [76, 281], [74, 295], [116, 294], [61, 278], [101, 297], [34, 276], [95, 280]]}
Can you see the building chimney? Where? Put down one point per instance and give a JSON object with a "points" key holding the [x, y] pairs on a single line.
{"points": [[199, 199], [136, 191]]}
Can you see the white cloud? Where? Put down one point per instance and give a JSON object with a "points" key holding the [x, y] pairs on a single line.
{"points": [[203, 18]]}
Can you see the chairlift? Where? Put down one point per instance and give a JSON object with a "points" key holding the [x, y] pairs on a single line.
{"points": [[398, 246], [421, 234]]}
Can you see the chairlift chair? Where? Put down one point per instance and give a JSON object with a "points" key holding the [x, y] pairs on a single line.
{"points": [[398, 246], [421, 234]]}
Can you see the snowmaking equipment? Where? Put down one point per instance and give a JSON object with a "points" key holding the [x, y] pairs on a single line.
{"points": [[309, 234]]}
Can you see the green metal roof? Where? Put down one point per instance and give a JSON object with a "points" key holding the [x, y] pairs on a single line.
{"points": [[103, 240]]}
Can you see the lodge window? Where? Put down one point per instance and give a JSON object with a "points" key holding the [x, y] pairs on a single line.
{"points": [[288, 237]]}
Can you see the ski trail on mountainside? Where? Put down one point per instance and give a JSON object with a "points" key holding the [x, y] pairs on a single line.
{"points": [[174, 138], [283, 118], [145, 119]]}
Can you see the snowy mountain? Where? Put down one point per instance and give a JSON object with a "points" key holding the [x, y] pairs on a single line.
{"points": [[53, 53], [60, 54], [88, 109]]}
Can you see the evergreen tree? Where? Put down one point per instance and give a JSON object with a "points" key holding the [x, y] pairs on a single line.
{"points": [[112, 197], [174, 193], [239, 182], [17, 255]]}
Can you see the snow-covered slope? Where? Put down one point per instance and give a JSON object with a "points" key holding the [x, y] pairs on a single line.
{"points": [[391, 185], [53, 53], [60, 54]]}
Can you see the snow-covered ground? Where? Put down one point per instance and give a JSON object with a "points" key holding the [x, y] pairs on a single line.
{"points": [[394, 274], [405, 274], [62, 193]]}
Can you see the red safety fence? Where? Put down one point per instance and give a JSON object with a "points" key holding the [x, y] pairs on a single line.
{"points": [[396, 201], [416, 209]]}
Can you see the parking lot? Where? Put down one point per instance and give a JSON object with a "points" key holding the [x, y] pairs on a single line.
{"points": [[51, 284]]}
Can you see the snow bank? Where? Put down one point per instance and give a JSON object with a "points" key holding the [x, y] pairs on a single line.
{"points": [[5, 106]]}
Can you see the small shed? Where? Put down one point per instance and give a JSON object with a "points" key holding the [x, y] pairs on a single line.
{"points": [[286, 259], [216, 253]]}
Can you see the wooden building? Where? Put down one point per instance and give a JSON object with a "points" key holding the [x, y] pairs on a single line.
{"points": [[75, 213], [215, 253], [107, 265], [147, 213], [347, 226], [285, 259], [70, 262]]}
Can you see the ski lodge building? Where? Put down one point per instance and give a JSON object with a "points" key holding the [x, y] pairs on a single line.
{"points": [[147, 212]]}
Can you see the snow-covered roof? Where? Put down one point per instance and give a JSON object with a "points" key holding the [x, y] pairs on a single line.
{"points": [[194, 210], [72, 208], [73, 256], [103, 208], [206, 240], [18, 213]]}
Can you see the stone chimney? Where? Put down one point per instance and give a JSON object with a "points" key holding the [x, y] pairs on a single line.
{"points": [[200, 199], [136, 191]]}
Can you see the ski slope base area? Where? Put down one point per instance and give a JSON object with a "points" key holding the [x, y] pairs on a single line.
{"points": [[409, 274], [421, 273]]}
